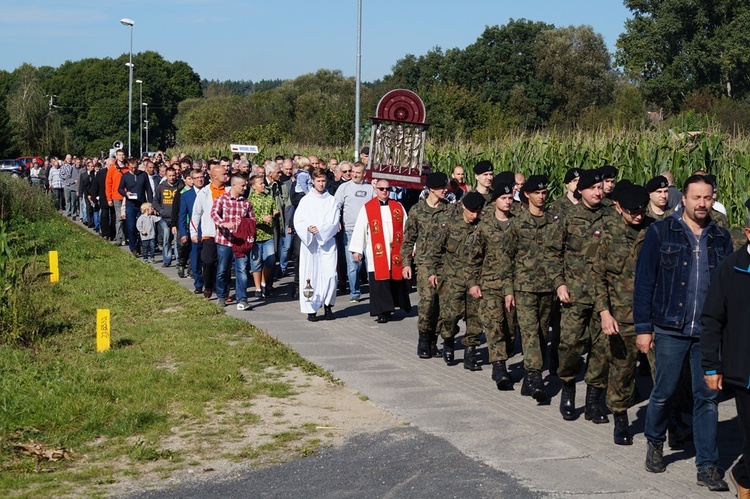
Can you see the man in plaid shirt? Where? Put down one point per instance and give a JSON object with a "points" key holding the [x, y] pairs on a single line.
{"points": [[228, 212]]}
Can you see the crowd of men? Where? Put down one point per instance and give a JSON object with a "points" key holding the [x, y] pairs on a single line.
{"points": [[609, 273]]}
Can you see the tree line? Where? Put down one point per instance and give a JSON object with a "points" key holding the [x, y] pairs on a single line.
{"points": [[683, 61]]}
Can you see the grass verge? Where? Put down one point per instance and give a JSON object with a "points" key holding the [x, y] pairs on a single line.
{"points": [[175, 358]]}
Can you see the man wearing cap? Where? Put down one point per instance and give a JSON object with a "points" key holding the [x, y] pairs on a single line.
{"points": [[499, 324], [575, 245], [609, 176], [364, 156], [561, 204], [614, 270], [419, 232], [658, 192], [483, 172], [526, 280], [453, 266], [379, 234]]}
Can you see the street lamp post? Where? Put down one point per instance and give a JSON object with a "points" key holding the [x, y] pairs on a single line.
{"points": [[358, 82], [145, 122], [129, 22], [140, 119]]}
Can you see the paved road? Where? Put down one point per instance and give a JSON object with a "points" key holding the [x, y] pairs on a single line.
{"points": [[496, 444]]}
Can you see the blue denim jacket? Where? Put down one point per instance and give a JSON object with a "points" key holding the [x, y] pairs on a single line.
{"points": [[663, 270]]}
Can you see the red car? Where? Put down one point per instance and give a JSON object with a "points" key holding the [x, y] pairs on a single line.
{"points": [[29, 161]]}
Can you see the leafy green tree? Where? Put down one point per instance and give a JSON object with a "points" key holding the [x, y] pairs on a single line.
{"points": [[674, 47]]}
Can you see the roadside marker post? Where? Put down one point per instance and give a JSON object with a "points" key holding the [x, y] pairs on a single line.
{"points": [[102, 329], [54, 268]]}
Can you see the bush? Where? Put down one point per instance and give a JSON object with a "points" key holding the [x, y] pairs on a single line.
{"points": [[20, 202]]}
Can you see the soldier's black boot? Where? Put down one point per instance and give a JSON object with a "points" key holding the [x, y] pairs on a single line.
{"points": [[655, 457], [536, 386], [526, 386], [593, 411], [448, 351], [568, 401], [500, 375], [622, 434], [434, 350], [470, 359], [423, 346]]}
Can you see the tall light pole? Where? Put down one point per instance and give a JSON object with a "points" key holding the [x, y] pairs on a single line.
{"points": [[145, 123], [129, 22], [359, 70], [140, 119]]}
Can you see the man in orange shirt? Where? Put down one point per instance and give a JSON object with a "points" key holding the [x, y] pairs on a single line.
{"points": [[114, 198]]}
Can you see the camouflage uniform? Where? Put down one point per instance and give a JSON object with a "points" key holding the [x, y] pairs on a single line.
{"points": [[559, 206], [653, 215], [525, 271], [421, 226], [614, 271], [575, 245], [499, 326], [457, 261]]}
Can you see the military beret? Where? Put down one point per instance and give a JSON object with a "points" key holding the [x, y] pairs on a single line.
{"points": [[572, 174], [633, 198], [500, 188], [473, 201], [535, 183], [608, 171], [656, 183], [437, 180], [619, 186], [588, 178], [506, 177], [483, 167]]}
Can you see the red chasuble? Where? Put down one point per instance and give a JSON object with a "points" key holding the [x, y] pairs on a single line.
{"points": [[378, 242]]}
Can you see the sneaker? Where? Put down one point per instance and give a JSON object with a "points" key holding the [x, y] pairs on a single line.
{"points": [[152, 261], [221, 302], [242, 305], [711, 477], [180, 272], [354, 299], [198, 291], [259, 294]]}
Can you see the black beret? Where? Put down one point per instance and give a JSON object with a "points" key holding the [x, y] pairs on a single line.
{"points": [[506, 177], [656, 183], [535, 183], [437, 180], [588, 178], [500, 188], [619, 187], [633, 198], [608, 171], [483, 167], [365, 150], [473, 201], [572, 174]]}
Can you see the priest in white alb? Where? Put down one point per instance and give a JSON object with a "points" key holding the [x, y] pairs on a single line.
{"points": [[316, 221], [379, 234]]}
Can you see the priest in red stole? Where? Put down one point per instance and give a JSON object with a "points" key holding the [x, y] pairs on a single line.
{"points": [[378, 234]]}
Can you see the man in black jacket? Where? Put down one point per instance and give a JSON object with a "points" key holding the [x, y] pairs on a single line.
{"points": [[724, 326]]}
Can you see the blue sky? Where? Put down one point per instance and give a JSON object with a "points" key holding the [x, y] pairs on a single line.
{"points": [[265, 39]]}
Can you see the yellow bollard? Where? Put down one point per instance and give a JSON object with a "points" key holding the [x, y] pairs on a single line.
{"points": [[102, 329], [54, 268]]}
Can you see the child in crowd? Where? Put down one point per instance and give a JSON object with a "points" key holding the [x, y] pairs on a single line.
{"points": [[146, 225]]}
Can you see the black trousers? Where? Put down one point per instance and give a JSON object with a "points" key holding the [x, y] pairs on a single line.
{"points": [[209, 259], [741, 470], [385, 296]]}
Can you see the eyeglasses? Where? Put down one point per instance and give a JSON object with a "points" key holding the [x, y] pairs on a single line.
{"points": [[346, 171], [383, 188]]}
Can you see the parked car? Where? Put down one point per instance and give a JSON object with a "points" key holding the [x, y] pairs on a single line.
{"points": [[29, 161], [13, 166]]}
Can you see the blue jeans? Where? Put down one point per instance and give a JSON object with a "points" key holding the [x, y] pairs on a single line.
{"points": [[147, 247], [196, 264], [84, 205], [354, 270], [286, 250], [670, 355], [132, 212], [97, 213], [167, 242], [225, 255], [262, 255]]}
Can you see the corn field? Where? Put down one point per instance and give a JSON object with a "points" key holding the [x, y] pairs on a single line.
{"points": [[638, 155]]}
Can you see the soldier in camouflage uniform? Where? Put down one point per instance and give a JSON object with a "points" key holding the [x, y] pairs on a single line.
{"points": [[575, 245], [526, 270], [614, 270], [658, 192], [483, 172], [454, 265], [499, 325], [421, 226], [609, 178]]}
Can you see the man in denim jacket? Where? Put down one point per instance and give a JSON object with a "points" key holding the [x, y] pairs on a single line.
{"points": [[678, 258]]}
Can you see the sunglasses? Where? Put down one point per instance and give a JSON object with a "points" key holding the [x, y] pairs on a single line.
{"points": [[634, 213], [346, 171], [383, 188]]}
